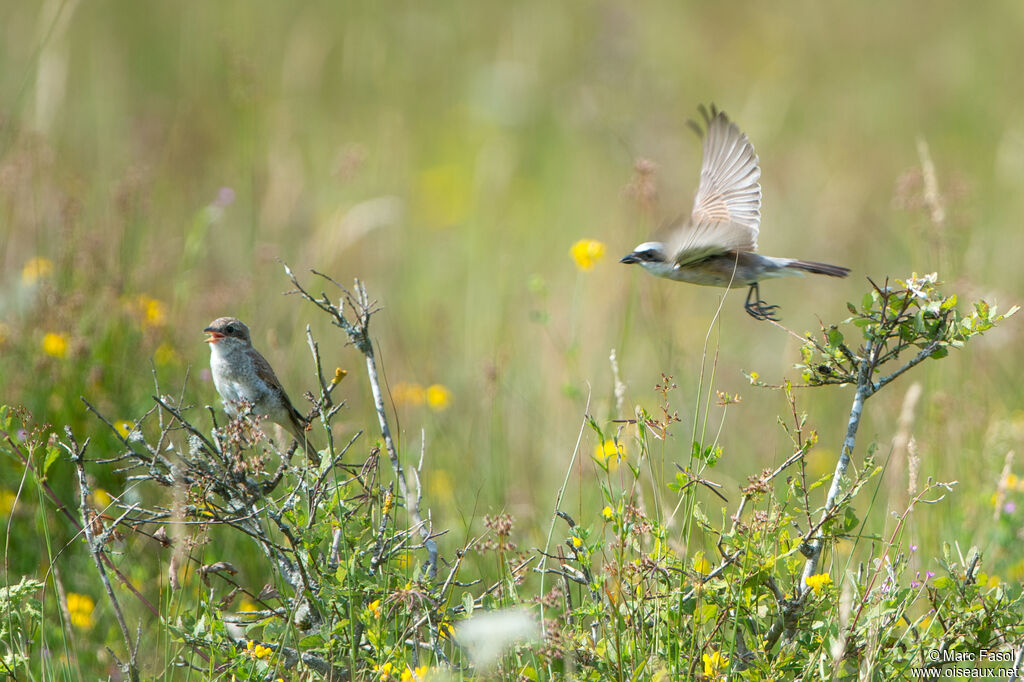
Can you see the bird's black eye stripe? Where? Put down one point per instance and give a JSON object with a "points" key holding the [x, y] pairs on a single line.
{"points": [[230, 329]]}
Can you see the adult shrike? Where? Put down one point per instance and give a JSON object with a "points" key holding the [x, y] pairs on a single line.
{"points": [[716, 246]]}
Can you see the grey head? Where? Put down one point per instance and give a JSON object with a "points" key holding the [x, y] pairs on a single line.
{"points": [[654, 258], [228, 329], [648, 252]]}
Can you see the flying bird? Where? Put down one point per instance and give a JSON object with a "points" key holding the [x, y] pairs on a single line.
{"points": [[240, 374], [717, 244]]}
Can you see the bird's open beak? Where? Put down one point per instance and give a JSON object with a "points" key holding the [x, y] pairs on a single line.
{"points": [[214, 337], [629, 258]]}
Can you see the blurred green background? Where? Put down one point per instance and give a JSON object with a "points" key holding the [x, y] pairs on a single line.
{"points": [[157, 158]]}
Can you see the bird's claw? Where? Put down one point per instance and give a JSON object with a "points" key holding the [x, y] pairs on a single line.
{"points": [[757, 308], [760, 310]]}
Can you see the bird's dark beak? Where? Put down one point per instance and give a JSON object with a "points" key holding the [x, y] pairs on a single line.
{"points": [[629, 258], [215, 335]]}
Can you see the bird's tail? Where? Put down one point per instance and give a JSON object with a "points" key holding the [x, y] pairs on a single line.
{"points": [[819, 268], [297, 427]]}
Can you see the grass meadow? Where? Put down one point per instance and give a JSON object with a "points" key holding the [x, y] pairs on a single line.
{"points": [[158, 160]]}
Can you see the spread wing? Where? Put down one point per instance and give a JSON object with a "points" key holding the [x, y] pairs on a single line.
{"points": [[727, 209]]}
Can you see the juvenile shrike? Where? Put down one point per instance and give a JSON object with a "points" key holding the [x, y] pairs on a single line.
{"points": [[240, 373], [716, 245]]}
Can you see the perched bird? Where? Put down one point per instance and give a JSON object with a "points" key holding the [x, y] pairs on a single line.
{"points": [[716, 246], [240, 373]]}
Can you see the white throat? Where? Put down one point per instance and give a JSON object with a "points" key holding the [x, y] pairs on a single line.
{"points": [[659, 268]]}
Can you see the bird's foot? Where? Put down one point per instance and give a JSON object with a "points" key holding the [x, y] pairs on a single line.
{"points": [[760, 310]]}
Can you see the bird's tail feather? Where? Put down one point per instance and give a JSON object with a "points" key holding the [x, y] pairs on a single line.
{"points": [[819, 268], [297, 429]]}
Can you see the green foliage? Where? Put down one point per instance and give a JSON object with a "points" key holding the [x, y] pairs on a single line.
{"points": [[451, 162], [892, 319], [20, 611], [641, 589]]}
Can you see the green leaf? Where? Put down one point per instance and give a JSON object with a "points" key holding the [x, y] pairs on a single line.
{"points": [[850, 521], [919, 322], [52, 453], [699, 515], [835, 337]]}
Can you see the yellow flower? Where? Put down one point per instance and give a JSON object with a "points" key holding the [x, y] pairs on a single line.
{"points": [[408, 394], [102, 498], [36, 269], [610, 453], [607, 513], [165, 355], [701, 564], [420, 673], [7, 500], [81, 606], [586, 253], [439, 483], [55, 344], [124, 427], [152, 311], [714, 662], [438, 397], [576, 542], [818, 582], [403, 559], [339, 374], [374, 608], [1011, 481], [257, 651], [384, 670], [445, 629]]}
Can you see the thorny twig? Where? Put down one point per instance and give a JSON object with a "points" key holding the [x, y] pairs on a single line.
{"points": [[96, 544], [358, 331]]}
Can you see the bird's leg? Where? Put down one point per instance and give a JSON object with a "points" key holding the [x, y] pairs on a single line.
{"points": [[757, 308]]}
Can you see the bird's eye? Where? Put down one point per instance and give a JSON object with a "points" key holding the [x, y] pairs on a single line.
{"points": [[230, 329]]}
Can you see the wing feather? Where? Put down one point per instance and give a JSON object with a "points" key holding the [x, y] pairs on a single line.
{"points": [[726, 212], [265, 372]]}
